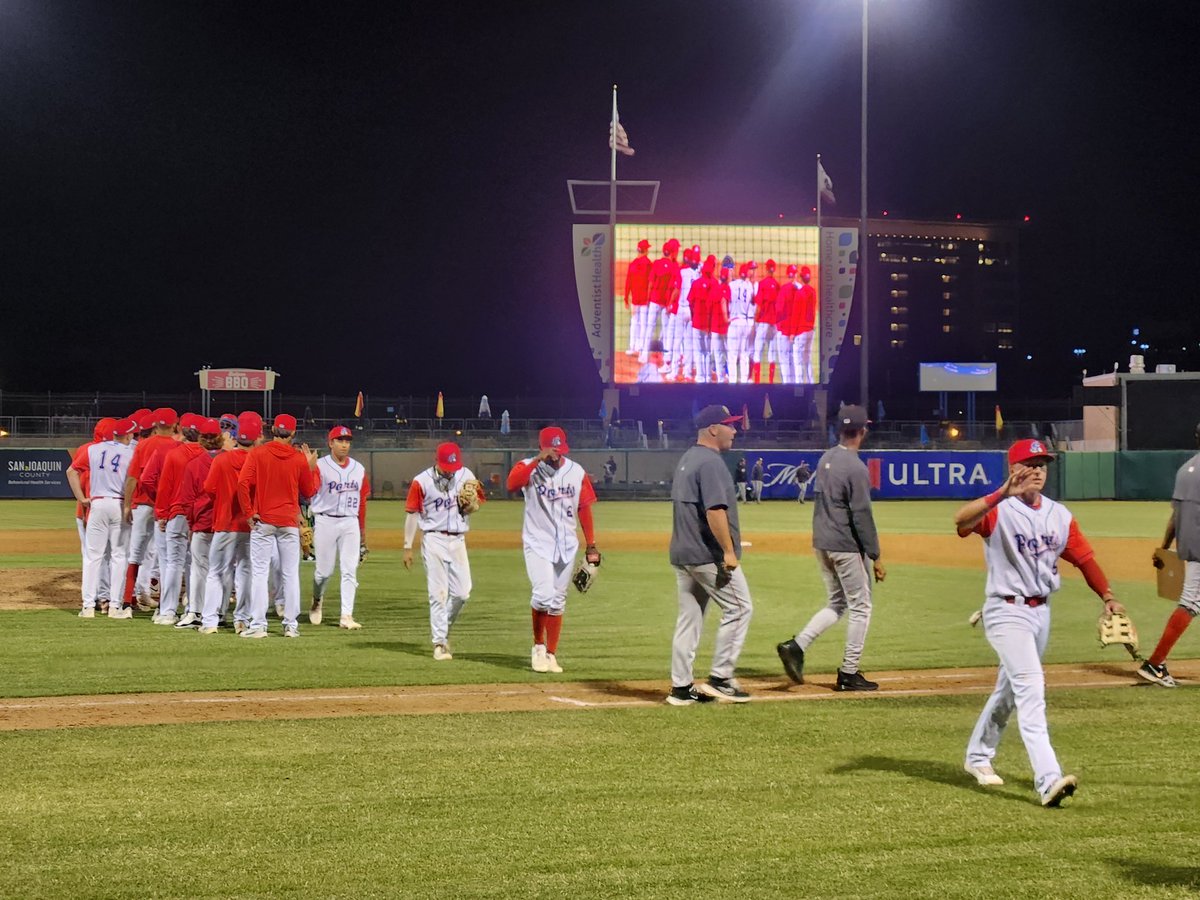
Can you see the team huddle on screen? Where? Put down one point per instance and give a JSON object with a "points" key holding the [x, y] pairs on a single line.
{"points": [[704, 323]]}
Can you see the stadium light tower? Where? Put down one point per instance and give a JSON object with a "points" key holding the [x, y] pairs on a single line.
{"points": [[863, 236]]}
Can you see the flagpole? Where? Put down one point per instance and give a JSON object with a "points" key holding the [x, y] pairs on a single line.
{"points": [[612, 213], [819, 197], [863, 236]]}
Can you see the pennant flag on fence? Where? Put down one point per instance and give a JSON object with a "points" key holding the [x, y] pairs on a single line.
{"points": [[745, 418], [924, 435], [825, 185], [999, 420], [358, 406], [440, 412], [767, 411]]}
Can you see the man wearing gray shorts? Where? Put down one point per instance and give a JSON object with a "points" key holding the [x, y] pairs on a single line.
{"points": [[705, 551], [844, 538]]}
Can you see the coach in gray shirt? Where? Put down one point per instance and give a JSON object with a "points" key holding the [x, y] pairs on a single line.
{"points": [[706, 550], [844, 538]]}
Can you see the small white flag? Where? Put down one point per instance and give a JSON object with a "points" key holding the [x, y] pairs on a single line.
{"points": [[825, 185], [617, 138]]}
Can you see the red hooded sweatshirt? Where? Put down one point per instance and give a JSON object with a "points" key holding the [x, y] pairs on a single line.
{"points": [[272, 480]]}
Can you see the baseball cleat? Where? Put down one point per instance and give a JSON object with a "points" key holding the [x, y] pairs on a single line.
{"points": [[166, 618], [348, 623], [537, 658], [87, 613], [239, 626], [254, 633], [975, 617], [724, 690], [189, 620], [1156, 674], [103, 606], [984, 775], [686, 696], [792, 658], [207, 629], [552, 664], [854, 681], [441, 652], [314, 614], [1059, 790], [291, 631], [120, 612]]}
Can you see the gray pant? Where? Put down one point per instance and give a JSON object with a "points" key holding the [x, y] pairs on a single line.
{"points": [[848, 584], [698, 585]]}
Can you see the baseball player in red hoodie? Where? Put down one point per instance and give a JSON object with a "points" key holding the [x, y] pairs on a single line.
{"points": [[139, 507], [161, 479], [269, 487], [637, 293], [196, 506]]}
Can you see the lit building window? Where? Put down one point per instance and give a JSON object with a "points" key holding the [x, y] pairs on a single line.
{"points": [[899, 327], [945, 310], [1004, 344], [899, 295], [946, 279], [946, 329], [946, 295], [899, 310], [899, 276], [897, 344]]}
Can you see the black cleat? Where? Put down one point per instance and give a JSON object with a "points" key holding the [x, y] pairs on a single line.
{"points": [[792, 658], [854, 682], [723, 689], [686, 696]]}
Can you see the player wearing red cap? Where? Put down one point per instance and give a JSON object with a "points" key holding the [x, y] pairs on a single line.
{"points": [[161, 479], [433, 509], [102, 432], [664, 287], [229, 554], [764, 324], [195, 505], [805, 313], [637, 295], [339, 510], [718, 322], [139, 506], [741, 323], [558, 494], [702, 289], [107, 463], [785, 334], [269, 490], [681, 351]]}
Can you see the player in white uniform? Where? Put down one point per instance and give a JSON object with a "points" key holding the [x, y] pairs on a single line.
{"points": [[558, 497], [107, 463], [741, 323], [683, 345], [339, 510], [1024, 534], [433, 509]]}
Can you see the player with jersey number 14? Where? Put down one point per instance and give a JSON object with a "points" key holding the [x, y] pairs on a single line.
{"points": [[558, 498]]}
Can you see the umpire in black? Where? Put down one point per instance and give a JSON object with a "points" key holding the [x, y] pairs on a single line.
{"points": [[706, 551]]}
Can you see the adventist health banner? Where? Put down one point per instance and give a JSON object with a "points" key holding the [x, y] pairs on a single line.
{"points": [[894, 474], [34, 473]]}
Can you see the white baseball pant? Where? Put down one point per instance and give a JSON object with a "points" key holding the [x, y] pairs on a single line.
{"points": [[265, 541], [764, 339], [228, 569], [696, 586], [702, 354], [637, 333], [549, 580], [683, 343], [720, 356], [102, 591], [802, 357], [448, 578], [174, 564], [336, 539], [201, 546], [142, 547], [1019, 634], [740, 337], [108, 535], [655, 316], [783, 353]]}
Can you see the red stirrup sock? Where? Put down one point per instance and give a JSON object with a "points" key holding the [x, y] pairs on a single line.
{"points": [[1176, 626], [553, 630]]}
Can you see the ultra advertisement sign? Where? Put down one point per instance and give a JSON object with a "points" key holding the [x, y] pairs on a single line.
{"points": [[894, 474]]}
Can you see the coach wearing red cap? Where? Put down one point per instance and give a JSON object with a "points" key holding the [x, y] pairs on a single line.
{"points": [[269, 487], [558, 495], [339, 511]]}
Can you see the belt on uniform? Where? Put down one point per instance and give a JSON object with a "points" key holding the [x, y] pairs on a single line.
{"points": [[450, 533], [1027, 601], [333, 516], [106, 497]]}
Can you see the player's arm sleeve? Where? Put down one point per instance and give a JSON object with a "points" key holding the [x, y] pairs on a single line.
{"points": [[862, 519], [587, 496], [245, 486], [1080, 554], [520, 474], [80, 462], [150, 476], [363, 494], [415, 499], [310, 479], [210, 480], [410, 530]]}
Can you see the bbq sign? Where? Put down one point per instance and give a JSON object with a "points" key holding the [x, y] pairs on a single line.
{"points": [[237, 380]]}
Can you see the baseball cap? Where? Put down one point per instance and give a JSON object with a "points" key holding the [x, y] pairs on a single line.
{"points": [[449, 457], [145, 420], [770, 264], [104, 429], [805, 270], [792, 270], [340, 431], [553, 438], [716, 414], [751, 265], [190, 420], [710, 263], [1030, 448], [164, 415], [284, 422], [207, 426], [643, 244], [852, 418], [124, 426], [249, 426]]}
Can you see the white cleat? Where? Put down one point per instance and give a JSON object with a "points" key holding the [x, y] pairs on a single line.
{"points": [[552, 664], [88, 613], [239, 626], [1060, 790], [985, 775], [254, 633], [441, 652], [291, 631], [348, 623], [537, 658], [207, 629], [314, 614], [120, 612], [189, 619]]}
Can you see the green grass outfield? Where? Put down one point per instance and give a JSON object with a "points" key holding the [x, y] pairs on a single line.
{"points": [[853, 798]]}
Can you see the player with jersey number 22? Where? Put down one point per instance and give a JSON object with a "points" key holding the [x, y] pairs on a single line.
{"points": [[558, 494], [1024, 535]]}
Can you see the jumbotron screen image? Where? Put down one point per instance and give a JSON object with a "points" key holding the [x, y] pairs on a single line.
{"points": [[707, 304]]}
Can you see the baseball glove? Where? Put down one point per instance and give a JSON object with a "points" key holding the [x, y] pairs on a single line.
{"points": [[306, 539], [363, 550], [585, 575], [1118, 629], [470, 496]]}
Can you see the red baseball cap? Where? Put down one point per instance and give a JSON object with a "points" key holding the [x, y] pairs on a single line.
{"points": [[770, 264], [1030, 448], [449, 457], [164, 415], [284, 422], [190, 420], [124, 426], [792, 270], [710, 263], [805, 270], [643, 244], [104, 429], [553, 438], [340, 432], [670, 247], [752, 265], [208, 426], [145, 420], [249, 426]]}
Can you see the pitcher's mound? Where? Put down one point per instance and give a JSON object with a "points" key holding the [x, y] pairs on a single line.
{"points": [[41, 589]]}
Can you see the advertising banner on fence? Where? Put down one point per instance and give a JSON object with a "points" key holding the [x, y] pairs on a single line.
{"points": [[34, 473], [894, 474], [593, 282]]}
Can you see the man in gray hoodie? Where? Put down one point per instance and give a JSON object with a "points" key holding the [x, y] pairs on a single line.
{"points": [[844, 538]]}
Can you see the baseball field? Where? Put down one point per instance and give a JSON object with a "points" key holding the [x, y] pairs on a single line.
{"points": [[142, 761]]}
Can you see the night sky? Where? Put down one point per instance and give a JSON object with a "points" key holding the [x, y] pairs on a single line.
{"points": [[372, 196]]}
